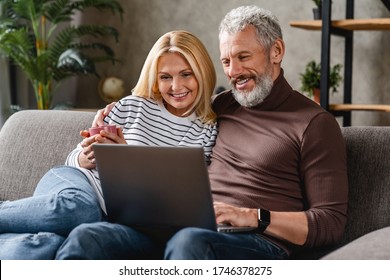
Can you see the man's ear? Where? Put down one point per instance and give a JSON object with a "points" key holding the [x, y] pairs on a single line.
{"points": [[277, 52]]}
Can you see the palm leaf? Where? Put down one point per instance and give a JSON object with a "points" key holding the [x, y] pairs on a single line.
{"points": [[27, 37], [101, 5], [59, 11]]}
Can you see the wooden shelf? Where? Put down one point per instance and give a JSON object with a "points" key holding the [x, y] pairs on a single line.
{"points": [[344, 28], [347, 24], [359, 107]]}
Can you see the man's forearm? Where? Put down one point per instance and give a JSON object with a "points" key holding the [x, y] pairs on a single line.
{"points": [[289, 226]]}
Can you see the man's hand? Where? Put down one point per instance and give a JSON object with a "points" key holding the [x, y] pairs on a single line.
{"points": [[235, 216], [290, 226], [101, 114]]}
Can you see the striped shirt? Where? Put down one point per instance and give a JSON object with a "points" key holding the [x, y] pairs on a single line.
{"points": [[146, 122]]}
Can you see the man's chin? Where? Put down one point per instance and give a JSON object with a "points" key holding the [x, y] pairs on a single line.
{"points": [[240, 92], [249, 99]]}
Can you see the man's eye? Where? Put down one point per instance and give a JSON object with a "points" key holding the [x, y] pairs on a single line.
{"points": [[225, 62]]}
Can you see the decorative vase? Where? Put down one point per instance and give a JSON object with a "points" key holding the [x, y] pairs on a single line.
{"points": [[317, 13], [316, 95]]}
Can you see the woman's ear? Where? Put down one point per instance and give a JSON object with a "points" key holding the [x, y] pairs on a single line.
{"points": [[277, 52]]}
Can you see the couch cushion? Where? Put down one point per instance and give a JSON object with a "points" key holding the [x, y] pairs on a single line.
{"points": [[33, 141], [368, 157]]}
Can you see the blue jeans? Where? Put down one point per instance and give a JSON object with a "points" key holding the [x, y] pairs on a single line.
{"points": [[203, 244], [62, 200], [113, 241], [107, 241], [29, 246]]}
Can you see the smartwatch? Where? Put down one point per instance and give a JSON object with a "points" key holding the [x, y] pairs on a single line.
{"points": [[264, 219]]}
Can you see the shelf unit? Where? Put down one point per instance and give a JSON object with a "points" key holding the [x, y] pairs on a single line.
{"points": [[345, 29]]}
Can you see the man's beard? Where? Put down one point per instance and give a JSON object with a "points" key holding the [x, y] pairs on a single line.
{"points": [[263, 86]]}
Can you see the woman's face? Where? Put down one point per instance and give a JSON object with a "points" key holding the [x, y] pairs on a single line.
{"points": [[176, 83]]}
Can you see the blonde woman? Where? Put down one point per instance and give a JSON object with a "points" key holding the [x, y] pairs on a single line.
{"points": [[170, 105]]}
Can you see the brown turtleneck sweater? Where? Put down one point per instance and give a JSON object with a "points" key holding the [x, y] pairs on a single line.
{"points": [[286, 154]]}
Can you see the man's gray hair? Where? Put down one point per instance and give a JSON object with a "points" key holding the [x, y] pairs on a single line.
{"points": [[265, 23]]}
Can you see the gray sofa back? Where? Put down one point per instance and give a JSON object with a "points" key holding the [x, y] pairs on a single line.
{"points": [[33, 141]]}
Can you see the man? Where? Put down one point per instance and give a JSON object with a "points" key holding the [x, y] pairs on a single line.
{"points": [[279, 162]]}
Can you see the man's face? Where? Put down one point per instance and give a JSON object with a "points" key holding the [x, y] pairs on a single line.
{"points": [[247, 66]]}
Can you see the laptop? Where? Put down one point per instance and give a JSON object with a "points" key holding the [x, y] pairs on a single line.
{"points": [[157, 187]]}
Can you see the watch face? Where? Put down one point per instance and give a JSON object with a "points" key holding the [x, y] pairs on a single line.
{"points": [[265, 216]]}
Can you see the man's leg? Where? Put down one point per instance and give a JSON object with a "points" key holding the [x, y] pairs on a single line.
{"points": [[26, 246], [62, 200], [105, 241], [202, 244]]}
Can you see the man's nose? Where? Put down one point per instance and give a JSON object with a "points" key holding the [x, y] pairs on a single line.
{"points": [[235, 69]]}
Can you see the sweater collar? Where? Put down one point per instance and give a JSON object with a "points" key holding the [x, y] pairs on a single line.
{"points": [[280, 91]]}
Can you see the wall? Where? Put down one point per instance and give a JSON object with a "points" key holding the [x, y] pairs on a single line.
{"points": [[145, 20]]}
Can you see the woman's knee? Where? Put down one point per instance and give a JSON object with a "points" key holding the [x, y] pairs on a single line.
{"points": [[86, 231], [81, 243]]}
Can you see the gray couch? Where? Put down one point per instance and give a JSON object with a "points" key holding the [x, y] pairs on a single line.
{"points": [[33, 141]]}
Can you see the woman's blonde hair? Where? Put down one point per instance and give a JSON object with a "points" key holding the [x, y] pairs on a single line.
{"points": [[193, 50]]}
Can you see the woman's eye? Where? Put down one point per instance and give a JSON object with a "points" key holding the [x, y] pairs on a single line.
{"points": [[164, 77], [187, 74]]}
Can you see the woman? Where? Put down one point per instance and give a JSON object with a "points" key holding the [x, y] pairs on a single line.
{"points": [[170, 105]]}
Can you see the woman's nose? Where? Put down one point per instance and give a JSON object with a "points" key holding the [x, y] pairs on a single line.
{"points": [[176, 84]]}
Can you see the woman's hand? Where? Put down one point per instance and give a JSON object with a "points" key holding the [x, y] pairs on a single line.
{"points": [[235, 216], [106, 137], [87, 156]]}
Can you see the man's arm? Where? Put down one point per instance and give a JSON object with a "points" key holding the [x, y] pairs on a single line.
{"points": [[322, 167]]}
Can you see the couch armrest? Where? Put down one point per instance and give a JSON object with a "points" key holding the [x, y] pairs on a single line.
{"points": [[371, 246], [368, 162]]}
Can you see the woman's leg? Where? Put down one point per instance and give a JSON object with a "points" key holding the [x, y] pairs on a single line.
{"points": [[105, 241], [62, 200], [203, 244], [26, 246]]}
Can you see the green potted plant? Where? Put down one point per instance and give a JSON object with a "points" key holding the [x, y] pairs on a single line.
{"points": [[318, 10], [31, 37], [312, 76]]}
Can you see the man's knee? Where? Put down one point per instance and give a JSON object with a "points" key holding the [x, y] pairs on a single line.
{"points": [[188, 243]]}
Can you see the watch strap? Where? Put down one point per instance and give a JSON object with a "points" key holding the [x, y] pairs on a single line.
{"points": [[264, 219]]}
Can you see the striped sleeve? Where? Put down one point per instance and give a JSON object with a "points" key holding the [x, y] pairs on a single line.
{"points": [[73, 157]]}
